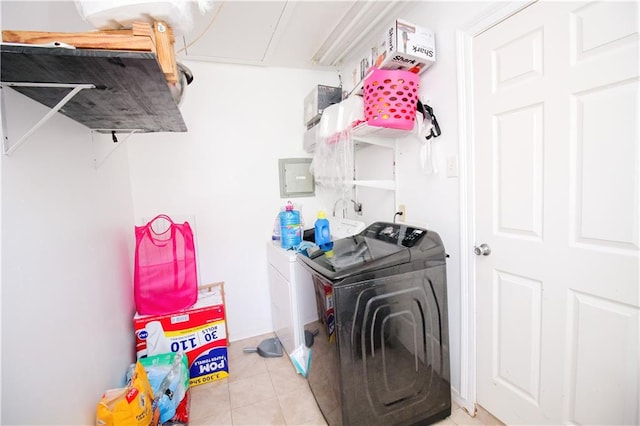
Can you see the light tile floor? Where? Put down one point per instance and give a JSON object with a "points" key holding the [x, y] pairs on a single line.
{"points": [[268, 391]]}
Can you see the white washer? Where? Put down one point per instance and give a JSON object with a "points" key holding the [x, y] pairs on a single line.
{"points": [[293, 302]]}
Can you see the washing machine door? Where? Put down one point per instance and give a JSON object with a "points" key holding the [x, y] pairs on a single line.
{"points": [[392, 336]]}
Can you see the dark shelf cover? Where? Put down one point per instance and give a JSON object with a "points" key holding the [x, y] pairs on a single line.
{"points": [[131, 90]]}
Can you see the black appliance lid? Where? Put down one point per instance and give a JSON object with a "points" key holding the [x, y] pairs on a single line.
{"points": [[380, 245]]}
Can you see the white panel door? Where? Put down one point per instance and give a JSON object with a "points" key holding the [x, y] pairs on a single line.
{"points": [[556, 194]]}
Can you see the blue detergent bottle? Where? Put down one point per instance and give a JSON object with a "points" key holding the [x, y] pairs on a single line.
{"points": [[322, 234], [290, 229]]}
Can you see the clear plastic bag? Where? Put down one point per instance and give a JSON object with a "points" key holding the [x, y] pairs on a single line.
{"points": [[301, 359], [168, 375], [332, 164], [115, 14]]}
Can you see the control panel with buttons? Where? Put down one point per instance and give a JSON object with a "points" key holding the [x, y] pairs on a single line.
{"points": [[395, 233]]}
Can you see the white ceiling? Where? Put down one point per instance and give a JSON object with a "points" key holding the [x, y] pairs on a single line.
{"points": [[279, 33], [274, 33], [258, 32]]}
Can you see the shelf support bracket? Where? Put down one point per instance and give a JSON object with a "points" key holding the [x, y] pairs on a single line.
{"points": [[75, 88], [115, 142]]}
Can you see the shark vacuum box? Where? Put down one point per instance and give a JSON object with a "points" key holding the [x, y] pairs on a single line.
{"points": [[405, 46]]}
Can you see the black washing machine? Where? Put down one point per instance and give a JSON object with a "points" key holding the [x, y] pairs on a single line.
{"points": [[382, 354]]}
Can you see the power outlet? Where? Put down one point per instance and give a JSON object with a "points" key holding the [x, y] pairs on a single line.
{"points": [[452, 166], [402, 209]]}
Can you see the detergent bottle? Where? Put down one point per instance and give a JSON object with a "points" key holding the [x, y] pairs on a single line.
{"points": [[290, 228], [322, 234]]}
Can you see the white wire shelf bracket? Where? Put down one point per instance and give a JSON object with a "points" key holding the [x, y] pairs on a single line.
{"points": [[7, 147], [99, 156]]}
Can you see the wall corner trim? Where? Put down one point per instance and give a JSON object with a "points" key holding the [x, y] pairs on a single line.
{"points": [[493, 15]]}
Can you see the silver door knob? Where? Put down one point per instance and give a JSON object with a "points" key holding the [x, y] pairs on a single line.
{"points": [[483, 250]]}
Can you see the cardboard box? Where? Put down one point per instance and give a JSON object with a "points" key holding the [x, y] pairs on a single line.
{"points": [[316, 101], [200, 332], [405, 46], [324, 305]]}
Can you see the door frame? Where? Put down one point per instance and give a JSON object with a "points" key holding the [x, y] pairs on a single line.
{"points": [[494, 14]]}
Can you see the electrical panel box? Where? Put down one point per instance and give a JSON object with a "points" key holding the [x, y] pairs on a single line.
{"points": [[296, 179]]}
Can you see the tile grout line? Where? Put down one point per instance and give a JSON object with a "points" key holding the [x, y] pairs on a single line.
{"points": [[277, 396], [449, 420], [230, 407]]}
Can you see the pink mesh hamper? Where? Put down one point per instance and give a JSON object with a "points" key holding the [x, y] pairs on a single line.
{"points": [[165, 278], [390, 98]]}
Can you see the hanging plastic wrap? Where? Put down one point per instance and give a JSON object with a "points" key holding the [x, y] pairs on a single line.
{"points": [[332, 164], [426, 134]]}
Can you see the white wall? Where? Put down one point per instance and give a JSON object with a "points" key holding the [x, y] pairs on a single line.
{"points": [[432, 200], [224, 173], [67, 238]]}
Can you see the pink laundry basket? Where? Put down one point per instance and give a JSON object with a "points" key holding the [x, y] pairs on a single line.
{"points": [[165, 277], [390, 98]]}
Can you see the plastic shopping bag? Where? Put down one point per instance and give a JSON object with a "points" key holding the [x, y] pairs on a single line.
{"points": [[168, 375], [132, 405], [301, 359]]}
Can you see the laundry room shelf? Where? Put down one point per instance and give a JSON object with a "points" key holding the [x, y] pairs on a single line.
{"points": [[365, 130], [365, 136], [389, 185], [360, 142], [130, 90]]}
